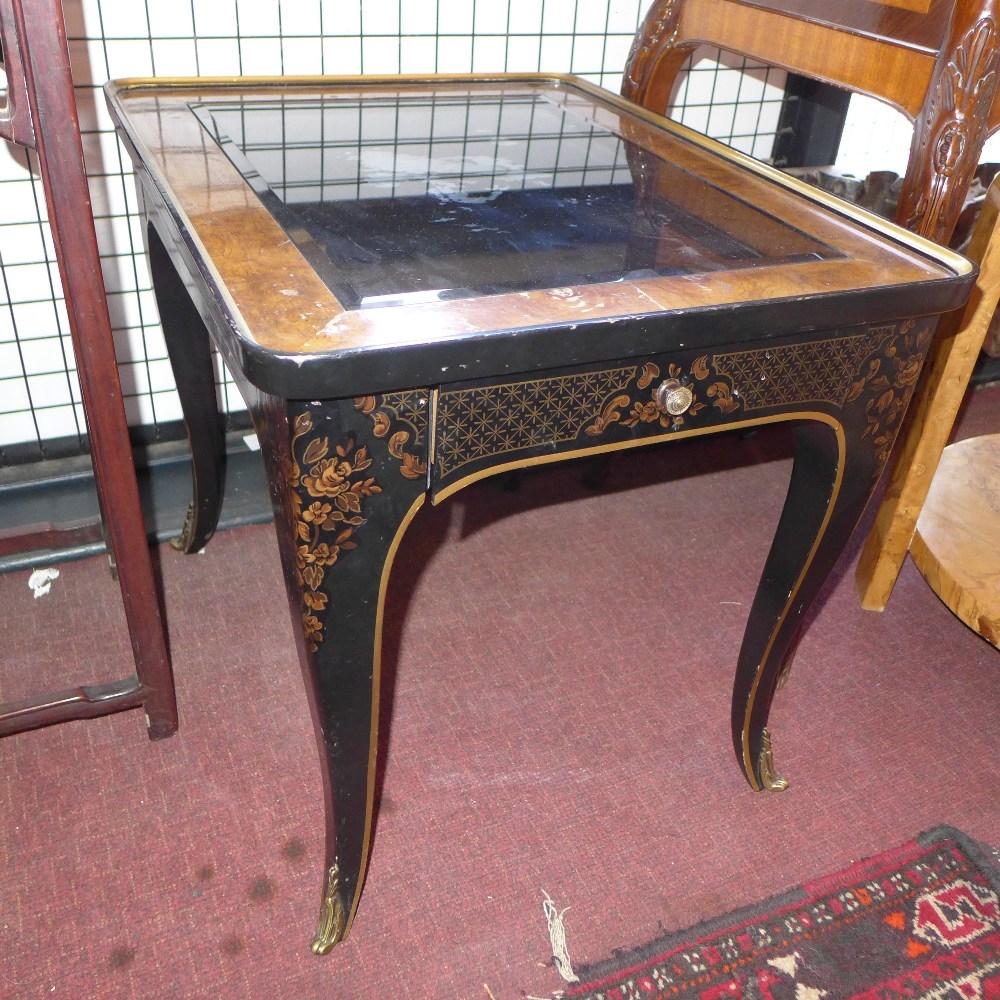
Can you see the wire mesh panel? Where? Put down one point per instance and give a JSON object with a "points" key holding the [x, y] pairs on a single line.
{"points": [[40, 411], [343, 149]]}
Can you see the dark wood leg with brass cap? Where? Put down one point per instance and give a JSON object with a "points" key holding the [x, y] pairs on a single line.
{"points": [[332, 918], [342, 504], [772, 782], [829, 487], [838, 459], [190, 353]]}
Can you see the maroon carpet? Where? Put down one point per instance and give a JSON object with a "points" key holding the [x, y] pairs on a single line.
{"points": [[559, 665], [920, 920]]}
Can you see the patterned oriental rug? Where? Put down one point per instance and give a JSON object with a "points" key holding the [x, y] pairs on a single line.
{"points": [[921, 920]]}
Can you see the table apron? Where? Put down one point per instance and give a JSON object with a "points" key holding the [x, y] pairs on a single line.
{"points": [[858, 377]]}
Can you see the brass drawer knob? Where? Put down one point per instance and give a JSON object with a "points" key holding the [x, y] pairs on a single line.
{"points": [[674, 397]]}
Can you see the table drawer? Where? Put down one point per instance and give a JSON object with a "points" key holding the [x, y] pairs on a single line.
{"points": [[487, 426]]}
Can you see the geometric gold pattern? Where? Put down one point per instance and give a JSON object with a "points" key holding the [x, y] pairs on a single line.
{"points": [[818, 372], [484, 421]]}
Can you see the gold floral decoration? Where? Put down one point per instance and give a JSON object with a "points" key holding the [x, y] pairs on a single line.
{"points": [[707, 387], [387, 421], [327, 505], [890, 378]]}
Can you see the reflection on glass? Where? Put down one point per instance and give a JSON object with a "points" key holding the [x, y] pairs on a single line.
{"points": [[402, 199]]}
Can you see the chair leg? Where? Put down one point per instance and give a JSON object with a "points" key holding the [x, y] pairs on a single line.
{"points": [[190, 353], [132, 566], [934, 416]]}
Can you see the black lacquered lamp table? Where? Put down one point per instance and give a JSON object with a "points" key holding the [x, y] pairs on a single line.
{"points": [[418, 283]]}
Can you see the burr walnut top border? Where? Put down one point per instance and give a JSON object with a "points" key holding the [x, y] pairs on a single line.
{"points": [[279, 304]]}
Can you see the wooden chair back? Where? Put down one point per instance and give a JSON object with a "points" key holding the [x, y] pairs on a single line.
{"points": [[936, 61]]}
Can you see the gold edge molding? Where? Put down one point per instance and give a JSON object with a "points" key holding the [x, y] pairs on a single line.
{"points": [[292, 81], [432, 432], [376, 692]]}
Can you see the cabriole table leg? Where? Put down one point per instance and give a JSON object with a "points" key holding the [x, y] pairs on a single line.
{"points": [[342, 507], [838, 460], [189, 348]]}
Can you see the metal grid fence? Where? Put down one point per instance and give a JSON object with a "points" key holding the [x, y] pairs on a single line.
{"points": [[40, 412], [322, 150]]}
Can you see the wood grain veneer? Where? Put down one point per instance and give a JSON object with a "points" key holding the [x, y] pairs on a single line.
{"points": [[284, 307], [955, 543]]}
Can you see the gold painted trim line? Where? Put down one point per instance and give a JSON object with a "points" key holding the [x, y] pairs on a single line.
{"points": [[432, 435], [376, 692], [452, 488], [838, 430]]}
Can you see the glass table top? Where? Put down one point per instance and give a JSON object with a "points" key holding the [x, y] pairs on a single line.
{"points": [[432, 197], [413, 225]]}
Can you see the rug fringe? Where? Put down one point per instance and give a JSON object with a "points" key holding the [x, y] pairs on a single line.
{"points": [[557, 938]]}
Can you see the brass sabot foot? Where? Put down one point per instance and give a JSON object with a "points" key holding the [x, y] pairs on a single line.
{"points": [[332, 920], [183, 540], [771, 781]]}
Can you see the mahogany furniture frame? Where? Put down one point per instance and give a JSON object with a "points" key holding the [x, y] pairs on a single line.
{"points": [[40, 113], [936, 61], [364, 413]]}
